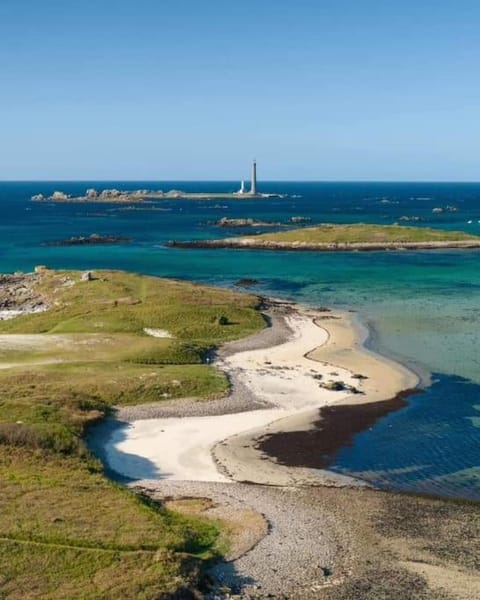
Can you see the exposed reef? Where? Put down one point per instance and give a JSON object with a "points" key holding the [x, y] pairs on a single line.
{"points": [[92, 240], [227, 222]]}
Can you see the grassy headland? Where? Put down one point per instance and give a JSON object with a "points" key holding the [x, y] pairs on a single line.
{"points": [[359, 236], [66, 531]]}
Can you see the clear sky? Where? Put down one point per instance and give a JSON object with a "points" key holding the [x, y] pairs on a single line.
{"points": [[194, 89]]}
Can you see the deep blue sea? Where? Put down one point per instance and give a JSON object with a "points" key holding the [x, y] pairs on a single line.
{"points": [[422, 307]]}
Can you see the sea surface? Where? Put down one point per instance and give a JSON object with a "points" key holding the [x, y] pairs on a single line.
{"points": [[422, 307]]}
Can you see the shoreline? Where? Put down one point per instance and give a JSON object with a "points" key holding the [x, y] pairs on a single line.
{"points": [[277, 379], [351, 526], [252, 244], [242, 459]]}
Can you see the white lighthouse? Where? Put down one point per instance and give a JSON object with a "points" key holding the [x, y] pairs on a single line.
{"points": [[253, 189]]}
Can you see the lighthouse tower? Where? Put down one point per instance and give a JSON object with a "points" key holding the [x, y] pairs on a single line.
{"points": [[253, 189]]}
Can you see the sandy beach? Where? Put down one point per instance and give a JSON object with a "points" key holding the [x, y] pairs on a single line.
{"points": [[312, 527], [282, 389]]}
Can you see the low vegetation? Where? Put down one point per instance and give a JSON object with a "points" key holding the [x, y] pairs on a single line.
{"points": [[65, 530], [365, 233]]}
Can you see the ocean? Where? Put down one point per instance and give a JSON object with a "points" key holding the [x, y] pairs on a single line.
{"points": [[422, 308]]}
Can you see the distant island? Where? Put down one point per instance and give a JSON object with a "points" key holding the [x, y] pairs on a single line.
{"points": [[227, 222], [249, 222], [121, 196], [333, 237], [92, 240]]}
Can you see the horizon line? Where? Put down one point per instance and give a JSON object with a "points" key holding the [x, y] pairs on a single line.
{"points": [[111, 180]]}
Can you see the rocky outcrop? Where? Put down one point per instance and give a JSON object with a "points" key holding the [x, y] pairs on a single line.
{"points": [[227, 222], [93, 195], [19, 295], [300, 219], [442, 209], [412, 219], [92, 240], [59, 197]]}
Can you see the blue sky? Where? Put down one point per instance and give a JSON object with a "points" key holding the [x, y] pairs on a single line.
{"points": [[190, 89]]}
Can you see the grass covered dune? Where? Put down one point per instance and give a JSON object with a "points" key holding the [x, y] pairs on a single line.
{"points": [[65, 530], [330, 237]]}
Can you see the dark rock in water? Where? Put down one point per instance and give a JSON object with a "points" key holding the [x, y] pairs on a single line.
{"points": [[92, 240], [246, 282]]}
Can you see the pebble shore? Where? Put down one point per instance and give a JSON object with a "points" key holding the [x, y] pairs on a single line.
{"points": [[297, 558]]}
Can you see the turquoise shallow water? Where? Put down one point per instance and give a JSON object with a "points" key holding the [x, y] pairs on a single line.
{"points": [[422, 307]]}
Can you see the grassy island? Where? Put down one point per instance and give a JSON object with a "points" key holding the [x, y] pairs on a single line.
{"points": [[105, 339], [330, 237]]}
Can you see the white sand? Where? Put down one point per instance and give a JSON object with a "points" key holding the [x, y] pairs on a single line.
{"points": [[177, 449], [180, 448]]}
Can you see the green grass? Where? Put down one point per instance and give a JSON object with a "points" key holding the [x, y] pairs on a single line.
{"points": [[65, 530], [364, 233], [119, 302]]}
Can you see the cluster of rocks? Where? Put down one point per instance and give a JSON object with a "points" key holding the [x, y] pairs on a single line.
{"points": [[300, 219], [249, 222], [92, 240], [414, 219], [337, 386], [18, 295], [92, 195], [442, 209], [227, 222]]}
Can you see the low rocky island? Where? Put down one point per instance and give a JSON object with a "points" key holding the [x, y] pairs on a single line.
{"points": [[92, 240], [142, 195], [228, 222], [333, 237]]}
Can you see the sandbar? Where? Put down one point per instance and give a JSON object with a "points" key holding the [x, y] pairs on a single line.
{"points": [[283, 382]]}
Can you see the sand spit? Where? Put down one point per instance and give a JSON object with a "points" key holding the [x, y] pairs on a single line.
{"points": [[277, 378], [341, 355], [283, 378], [280, 371]]}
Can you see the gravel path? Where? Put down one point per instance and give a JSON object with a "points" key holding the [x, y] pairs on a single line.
{"points": [[298, 557]]}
